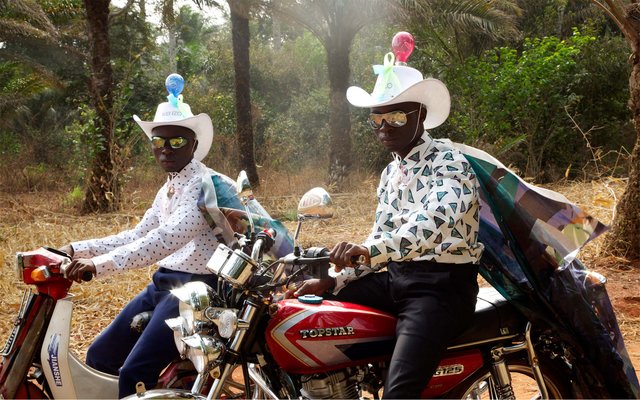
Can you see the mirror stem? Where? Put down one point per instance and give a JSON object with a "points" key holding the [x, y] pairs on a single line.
{"points": [[296, 248]]}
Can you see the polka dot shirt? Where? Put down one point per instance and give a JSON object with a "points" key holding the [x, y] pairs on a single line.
{"points": [[172, 234]]}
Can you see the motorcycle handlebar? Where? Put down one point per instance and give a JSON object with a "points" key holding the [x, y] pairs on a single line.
{"points": [[318, 255], [86, 275]]}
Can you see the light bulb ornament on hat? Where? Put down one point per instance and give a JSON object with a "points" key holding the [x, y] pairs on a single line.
{"points": [[175, 112], [397, 83]]}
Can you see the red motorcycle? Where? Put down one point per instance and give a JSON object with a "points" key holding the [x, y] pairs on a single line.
{"points": [[313, 348], [36, 361]]}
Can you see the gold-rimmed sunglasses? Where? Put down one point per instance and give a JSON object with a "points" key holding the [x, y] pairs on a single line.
{"points": [[395, 119], [176, 142]]}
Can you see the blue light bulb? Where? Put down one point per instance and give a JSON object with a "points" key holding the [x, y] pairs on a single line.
{"points": [[174, 84]]}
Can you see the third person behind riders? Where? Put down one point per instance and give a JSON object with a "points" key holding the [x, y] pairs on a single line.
{"points": [[425, 230]]}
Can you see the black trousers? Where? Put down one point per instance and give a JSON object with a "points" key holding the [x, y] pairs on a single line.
{"points": [[434, 303]]}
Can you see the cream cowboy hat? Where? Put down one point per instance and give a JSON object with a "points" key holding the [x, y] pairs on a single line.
{"points": [[168, 114], [408, 85]]}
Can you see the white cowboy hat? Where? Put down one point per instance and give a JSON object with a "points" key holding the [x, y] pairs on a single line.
{"points": [[168, 114], [407, 86]]}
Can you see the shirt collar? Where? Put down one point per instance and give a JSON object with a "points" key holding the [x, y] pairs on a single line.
{"points": [[418, 152], [179, 179]]}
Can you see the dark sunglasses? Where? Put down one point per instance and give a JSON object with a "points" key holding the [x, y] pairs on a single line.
{"points": [[176, 142], [395, 119]]}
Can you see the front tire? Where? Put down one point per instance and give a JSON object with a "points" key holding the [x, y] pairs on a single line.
{"points": [[481, 385]]}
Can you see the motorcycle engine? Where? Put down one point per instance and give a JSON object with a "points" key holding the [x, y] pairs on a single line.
{"points": [[341, 384]]}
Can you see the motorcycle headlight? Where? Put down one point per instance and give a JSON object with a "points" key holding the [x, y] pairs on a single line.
{"points": [[189, 317], [203, 351], [194, 298], [177, 325], [225, 319]]}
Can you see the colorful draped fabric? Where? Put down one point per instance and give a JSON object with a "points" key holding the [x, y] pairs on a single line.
{"points": [[532, 236], [226, 214]]}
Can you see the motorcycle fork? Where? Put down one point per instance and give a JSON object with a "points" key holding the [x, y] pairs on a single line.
{"points": [[500, 370], [248, 314]]}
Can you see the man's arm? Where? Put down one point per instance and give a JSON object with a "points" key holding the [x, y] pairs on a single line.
{"points": [[179, 229], [95, 247]]}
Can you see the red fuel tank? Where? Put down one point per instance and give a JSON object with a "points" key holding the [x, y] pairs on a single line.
{"points": [[310, 338]]}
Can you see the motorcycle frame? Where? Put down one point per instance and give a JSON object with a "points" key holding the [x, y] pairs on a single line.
{"points": [[67, 376], [45, 324]]}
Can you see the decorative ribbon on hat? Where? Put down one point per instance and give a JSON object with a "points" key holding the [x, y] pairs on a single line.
{"points": [[388, 84], [178, 103], [174, 84]]}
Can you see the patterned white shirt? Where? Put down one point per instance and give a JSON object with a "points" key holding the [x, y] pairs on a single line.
{"points": [[173, 233], [427, 210]]}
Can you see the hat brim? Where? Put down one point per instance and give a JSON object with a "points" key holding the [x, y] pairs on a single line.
{"points": [[430, 92], [201, 124]]}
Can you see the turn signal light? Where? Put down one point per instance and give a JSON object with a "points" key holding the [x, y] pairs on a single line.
{"points": [[40, 274]]}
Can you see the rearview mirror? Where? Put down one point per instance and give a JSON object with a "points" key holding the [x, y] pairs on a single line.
{"points": [[315, 204], [243, 187]]}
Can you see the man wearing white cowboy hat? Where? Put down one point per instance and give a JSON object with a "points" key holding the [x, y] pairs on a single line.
{"points": [[173, 234], [425, 230]]}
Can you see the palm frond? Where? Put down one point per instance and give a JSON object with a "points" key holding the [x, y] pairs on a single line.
{"points": [[30, 12]]}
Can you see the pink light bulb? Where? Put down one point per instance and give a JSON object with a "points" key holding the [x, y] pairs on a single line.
{"points": [[402, 46]]}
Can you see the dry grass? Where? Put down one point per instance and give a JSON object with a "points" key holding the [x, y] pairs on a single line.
{"points": [[30, 220]]}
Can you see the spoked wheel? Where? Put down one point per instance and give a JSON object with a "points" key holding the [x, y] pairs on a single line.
{"points": [[481, 384]]}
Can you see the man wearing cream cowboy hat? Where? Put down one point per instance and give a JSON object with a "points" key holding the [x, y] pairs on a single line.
{"points": [[173, 234], [425, 230]]}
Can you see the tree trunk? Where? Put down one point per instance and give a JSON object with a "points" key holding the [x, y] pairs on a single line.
{"points": [[340, 121], [624, 238], [169, 21], [241, 65], [103, 191]]}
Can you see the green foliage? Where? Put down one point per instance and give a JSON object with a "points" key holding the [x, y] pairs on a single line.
{"points": [[514, 100], [85, 138], [75, 197], [518, 100]]}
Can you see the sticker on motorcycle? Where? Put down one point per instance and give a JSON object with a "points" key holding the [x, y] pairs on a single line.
{"points": [[448, 370], [52, 349], [322, 332]]}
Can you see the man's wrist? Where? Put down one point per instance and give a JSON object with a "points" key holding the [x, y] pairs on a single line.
{"points": [[331, 282]]}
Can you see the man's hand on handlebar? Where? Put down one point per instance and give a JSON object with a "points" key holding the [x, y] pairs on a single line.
{"points": [[310, 286], [78, 269], [345, 254]]}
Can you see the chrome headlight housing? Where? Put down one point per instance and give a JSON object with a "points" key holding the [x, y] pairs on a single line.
{"points": [[203, 351], [194, 298], [178, 326]]}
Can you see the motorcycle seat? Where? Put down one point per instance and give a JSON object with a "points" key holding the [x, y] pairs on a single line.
{"points": [[494, 319]]}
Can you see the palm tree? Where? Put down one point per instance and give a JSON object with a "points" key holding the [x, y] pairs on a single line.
{"points": [[240, 38], [103, 191], [624, 239], [462, 28], [20, 21], [336, 22]]}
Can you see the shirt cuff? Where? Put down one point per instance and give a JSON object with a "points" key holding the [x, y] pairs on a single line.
{"points": [[377, 251], [104, 265], [81, 249], [341, 281]]}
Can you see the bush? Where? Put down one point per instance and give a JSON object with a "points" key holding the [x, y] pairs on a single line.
{"points": [[520, 101]]}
